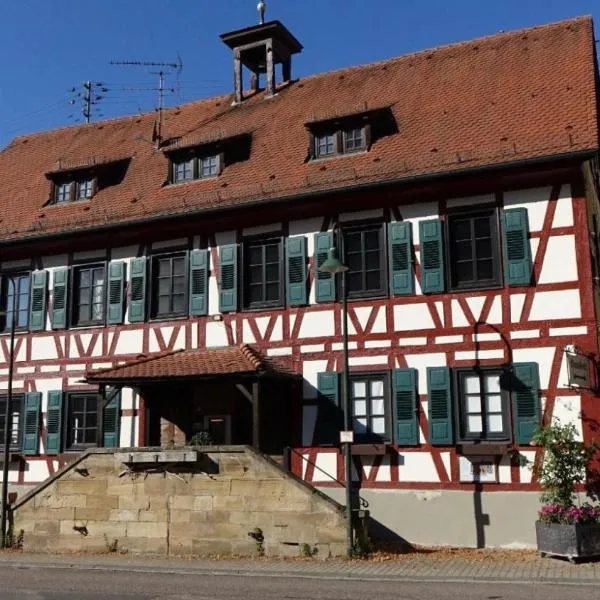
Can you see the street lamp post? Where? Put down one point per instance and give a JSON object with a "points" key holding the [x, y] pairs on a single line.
{"points": [[7, 422], [334, 266]]}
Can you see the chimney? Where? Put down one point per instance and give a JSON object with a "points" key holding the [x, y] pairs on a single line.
{"points": [[260, 49]]}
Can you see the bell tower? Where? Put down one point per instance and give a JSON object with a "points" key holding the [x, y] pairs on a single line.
{"points": [[259, 49]]}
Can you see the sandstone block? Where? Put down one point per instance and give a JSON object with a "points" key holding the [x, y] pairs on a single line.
{"points": [[272, 487], [134, 502], [46, 527], [123, 515], [242, 487], [204, 486], [211, 516], [102, 502], [45, 514], [96, 514], [181, 502], [202, 503], [180, 516], [156, 484], [143, 545], [87, 486], [228, 502], [211, 547], [147, 529], [53, 500], [153, 515]]}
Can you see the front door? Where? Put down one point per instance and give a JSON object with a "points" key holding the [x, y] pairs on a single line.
{"points": [[219, 428]]}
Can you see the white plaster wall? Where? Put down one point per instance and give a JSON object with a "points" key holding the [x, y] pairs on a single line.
{"points": [[561, 304], [560, 262], [535, 200]]}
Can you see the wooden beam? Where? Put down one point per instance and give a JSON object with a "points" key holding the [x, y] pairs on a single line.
{"points": [[244, 391], [270, 68], [256, 415], [287, 69], [238, 84]]}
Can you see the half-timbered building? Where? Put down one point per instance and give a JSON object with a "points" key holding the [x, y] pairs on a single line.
{"points": [[165, 274]]}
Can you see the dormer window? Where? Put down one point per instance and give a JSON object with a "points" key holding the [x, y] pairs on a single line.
{"points": [[195, 166], [71, 190], [340, 140]]}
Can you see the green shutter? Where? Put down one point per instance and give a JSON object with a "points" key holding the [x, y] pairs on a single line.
{"points": [[405, 401], [432, 256], [60, 288], [517, 249], [329, 416], [525, 385], [54, 422], [402, 281], [116, 283], [228, 295], [137, 299], [296, 271], [198, 283], [439, 396], [37, 307], [31, 423], [324, 282], [111, 422]]}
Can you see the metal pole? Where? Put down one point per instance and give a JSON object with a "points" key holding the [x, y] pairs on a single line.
{"points": [[7, 421], [347, 425]]}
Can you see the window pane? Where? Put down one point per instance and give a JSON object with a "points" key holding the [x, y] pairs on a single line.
{"points": [[482, 227], [494, 403], [463, 250], [359, 389], [473, 404], [178, 285], [377, 406], [354, 261], [178, 304], [179, 266], [85, 277], [492, 383], [483, 248], [255, 255], [360, 426], [360, 408], [256, 293], [495, 423], [272, 251], [464, 271], [272, 292], [471, 383], [256, 274], [377, 388], [474, 423], [273, 272], [373, 280], [378, 425], [164, 268], [354, 281], [163, 305], [164, 287], [461, 230], [352, 241], [485, 269], [372, 260]]}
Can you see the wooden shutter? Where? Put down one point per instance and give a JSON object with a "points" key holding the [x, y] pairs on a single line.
{"points": [[198, 283], [329, 416], [525, 385], [37, 306], [60, 288], [137, 296], [296, 271], [401, 265], [116, 283], [31, 423], [324, 282], [439, 396], [228, 295], [405, 402], [432, 256], [517, 249], [54, 422], [111, 420]]}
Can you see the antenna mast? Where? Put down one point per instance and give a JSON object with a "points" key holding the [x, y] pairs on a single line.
{"points": [[262, 7], [161, 89], [89, 96]]}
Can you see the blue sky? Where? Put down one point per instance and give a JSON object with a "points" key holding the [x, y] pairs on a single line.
{"points": [[50, 46]]}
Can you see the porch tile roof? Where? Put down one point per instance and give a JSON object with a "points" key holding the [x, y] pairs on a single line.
{"points": [[188, 363]]}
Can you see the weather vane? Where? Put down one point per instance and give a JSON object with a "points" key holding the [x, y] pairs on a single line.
{"points": [[262, 7]]}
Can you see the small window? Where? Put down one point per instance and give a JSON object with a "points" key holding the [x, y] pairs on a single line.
{"points": [[209, 166], [334, 142], [325, 145], [85, 189], [82, 421], [474, 248], [193, 167], [16, 422], [169, 286], [354, 139], [184, 170], [370, 411], [22, 283], [63, 193], [364, 255], [263, 273], [483, 405], [80, 188], [89, 284]]}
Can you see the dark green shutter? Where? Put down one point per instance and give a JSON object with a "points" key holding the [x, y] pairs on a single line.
{"points": [[402, 281], [37, 307], [111, 422], [228, 295], [432, 256], [54, 422], [329, 420], [198, 283], [60, 288], [116, 283], [526, 397], [296, 271], [405, 400], [31, 423], [324, 282], [439, 396], [517, 249], [137, 299]]}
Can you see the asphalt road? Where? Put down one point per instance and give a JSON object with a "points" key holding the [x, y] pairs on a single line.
{"points": [[58, 583]]}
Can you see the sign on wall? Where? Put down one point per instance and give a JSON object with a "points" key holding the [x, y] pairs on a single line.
{"points": [[477, 470], [578, 368]]}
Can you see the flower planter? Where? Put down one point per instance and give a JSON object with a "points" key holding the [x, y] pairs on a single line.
{"points": [[570, 541]]}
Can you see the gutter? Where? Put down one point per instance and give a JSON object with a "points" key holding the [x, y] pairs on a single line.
{"points": [[581, 154]]}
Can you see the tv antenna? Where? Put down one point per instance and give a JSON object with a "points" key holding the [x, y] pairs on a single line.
{"points": [[90, 94], [164, 69]]}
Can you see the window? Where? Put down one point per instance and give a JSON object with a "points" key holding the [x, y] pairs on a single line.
{"points": [[16, 424], [85, 189], [22, 284], [483, 405], [193, 166], [63, 193], [82, 421], [89, 295], [364, 255], [340, 141], [369, 397], [263, 273], [474, 248], [169, 286], [74, 189]]}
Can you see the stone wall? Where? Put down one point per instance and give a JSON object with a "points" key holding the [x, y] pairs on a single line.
{"points": [[200, 502]]}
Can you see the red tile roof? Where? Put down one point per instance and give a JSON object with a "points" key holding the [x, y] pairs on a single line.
{"points": [[505, 98], [188, 363]]}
